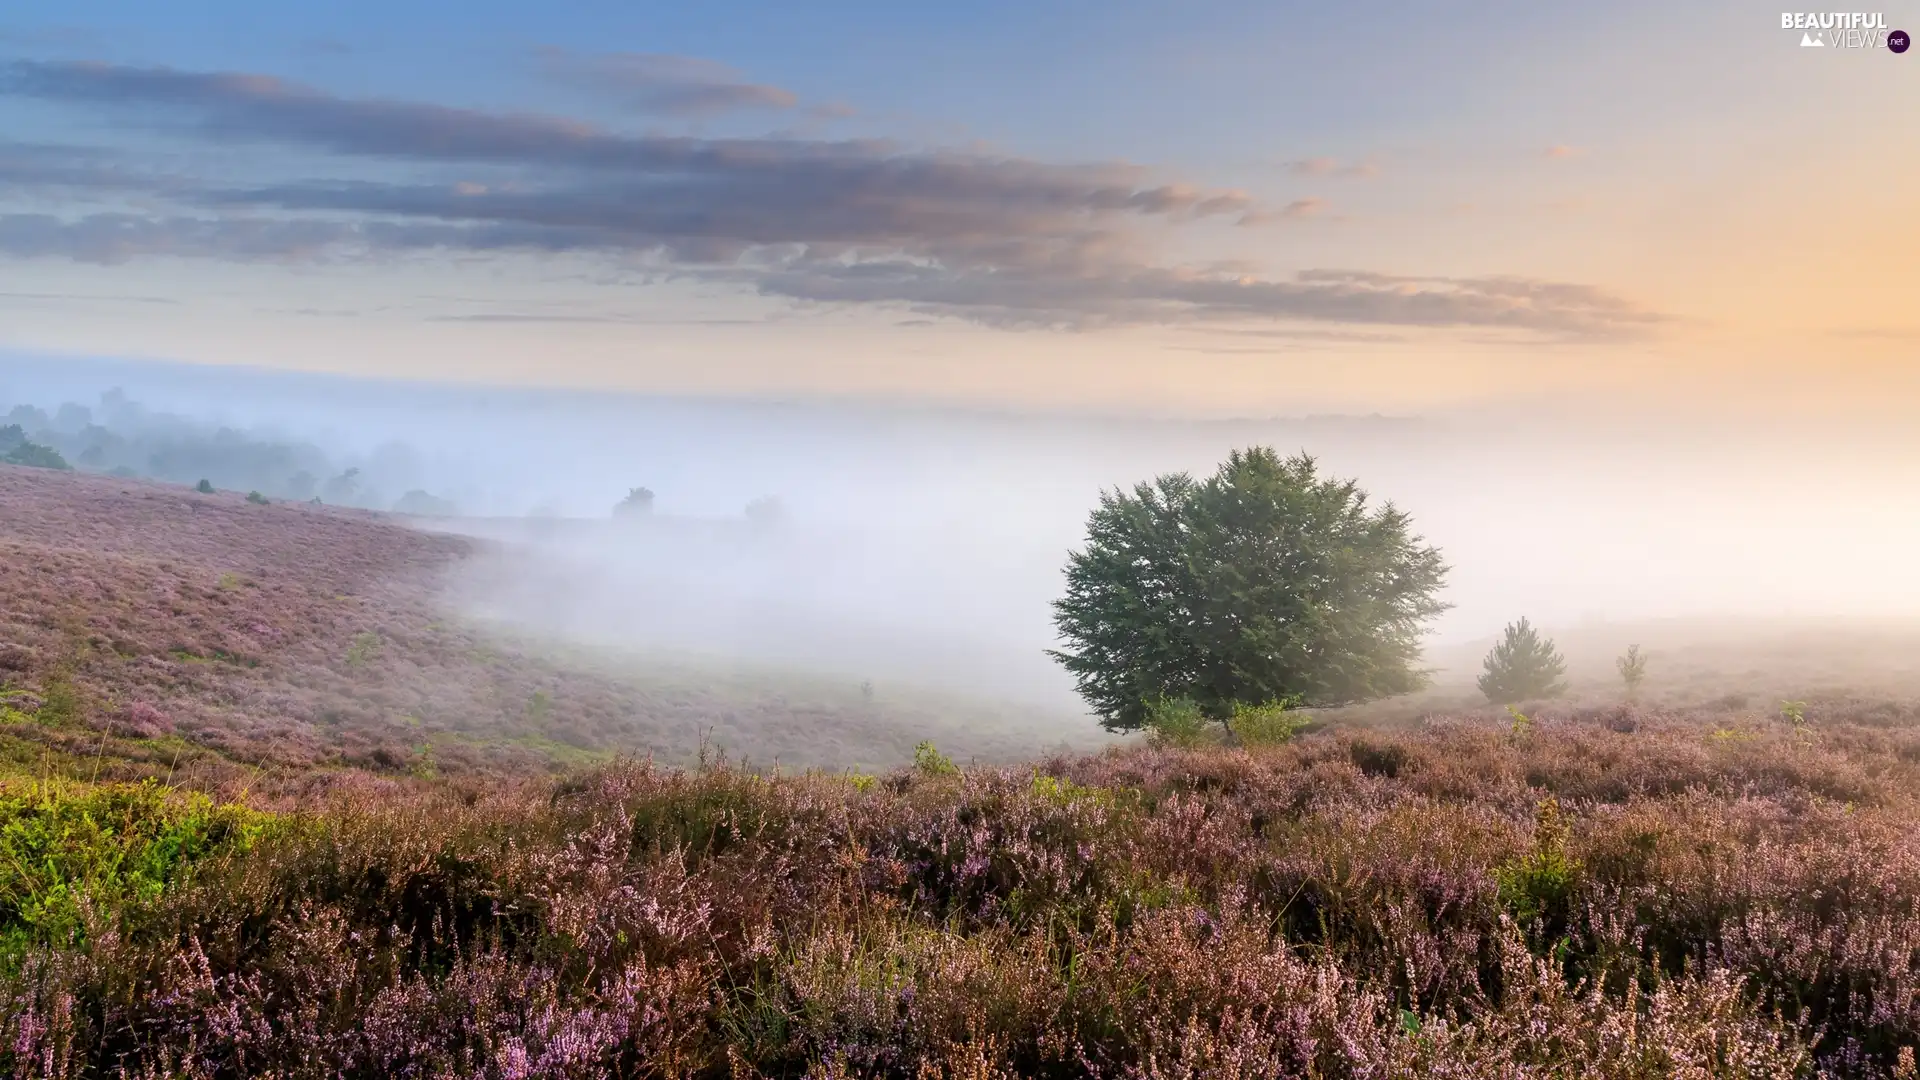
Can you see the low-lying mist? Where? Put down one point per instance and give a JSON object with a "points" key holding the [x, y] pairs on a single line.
{"points": [[893, 603], [923, 546]]}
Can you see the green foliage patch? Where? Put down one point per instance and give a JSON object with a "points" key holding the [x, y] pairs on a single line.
{"points": [[71, 853]]}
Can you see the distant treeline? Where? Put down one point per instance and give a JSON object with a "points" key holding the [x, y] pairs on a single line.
{"points": [[120, 437]]}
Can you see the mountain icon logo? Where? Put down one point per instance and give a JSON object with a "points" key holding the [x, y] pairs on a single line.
{"points": [[1808, 41]]}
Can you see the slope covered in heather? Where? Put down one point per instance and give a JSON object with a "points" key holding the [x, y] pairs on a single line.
{"points": [[149, 628]]}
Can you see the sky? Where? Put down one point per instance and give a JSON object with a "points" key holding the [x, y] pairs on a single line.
{"points": [[1206, 207]]}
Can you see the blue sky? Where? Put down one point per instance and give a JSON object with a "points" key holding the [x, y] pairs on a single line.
{"points": [[1193, 205]]}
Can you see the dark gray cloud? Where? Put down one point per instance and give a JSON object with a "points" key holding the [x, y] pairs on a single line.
{"points": [[658, 82], [995, 239]]}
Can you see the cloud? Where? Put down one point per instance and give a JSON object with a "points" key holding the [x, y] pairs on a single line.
{"points": [[1326, 166], [1152, 295], [117, 237], [525, 317], [658, 82], [1013, 297], [40, 166], [1298, 209], [84, 298], [996, 239]]}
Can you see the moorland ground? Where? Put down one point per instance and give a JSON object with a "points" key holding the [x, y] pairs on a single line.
{"points": [[1620, 892], [224, 854]]}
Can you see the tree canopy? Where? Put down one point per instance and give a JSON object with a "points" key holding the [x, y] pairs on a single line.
{"points": [[1264, 582]]}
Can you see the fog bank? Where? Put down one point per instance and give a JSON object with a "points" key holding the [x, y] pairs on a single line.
{"points": [[924, 545]]}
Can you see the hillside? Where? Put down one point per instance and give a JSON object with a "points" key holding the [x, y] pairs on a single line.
{"points": [[147, 629]]}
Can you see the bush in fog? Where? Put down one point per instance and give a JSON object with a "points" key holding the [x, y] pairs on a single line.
{"points": [[342, 488], [1633, 669], [421, 504], [1264, 582], [638, 501], [28, 418], [35, 456], [766, 511], [11, 436], [204, 487], [1523, 665]]}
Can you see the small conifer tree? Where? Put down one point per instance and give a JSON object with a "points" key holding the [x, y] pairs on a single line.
{"points": [[1523, 665], [1633, 669]]}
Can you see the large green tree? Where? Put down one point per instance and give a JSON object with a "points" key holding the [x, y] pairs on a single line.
{"points": [[1264, 582]]}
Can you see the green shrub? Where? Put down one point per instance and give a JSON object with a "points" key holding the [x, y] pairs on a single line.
{"points": [[929, 761], [1176, 722], [204, 487], [1539, 885], [1522, 723], [67, 850], [1271, 724], [1064, 792], [256, 498], [60, 704], [365, 646]]}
